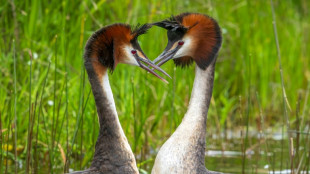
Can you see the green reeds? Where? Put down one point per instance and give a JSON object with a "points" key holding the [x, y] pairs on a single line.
{"points": [[158, 108]]}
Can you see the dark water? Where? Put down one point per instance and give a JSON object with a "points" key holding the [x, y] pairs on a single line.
{"points": [[263, 154]]}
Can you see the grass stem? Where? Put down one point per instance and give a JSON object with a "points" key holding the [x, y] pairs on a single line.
{"points": [[15, 108], [30, 112], [281, 74]]}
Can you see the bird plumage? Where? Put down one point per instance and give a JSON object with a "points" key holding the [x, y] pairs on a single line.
{"points": [[192, 37], [106, 48]]}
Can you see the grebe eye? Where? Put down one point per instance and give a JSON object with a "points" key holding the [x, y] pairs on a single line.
{"points": [[181, 42], [133, 52]]}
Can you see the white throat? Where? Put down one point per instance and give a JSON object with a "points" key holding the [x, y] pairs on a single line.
{"points": [[184, 151], [106, 88]]}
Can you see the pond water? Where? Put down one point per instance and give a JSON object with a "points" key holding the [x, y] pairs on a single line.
{"points": [[226, 154], [263, 155]]}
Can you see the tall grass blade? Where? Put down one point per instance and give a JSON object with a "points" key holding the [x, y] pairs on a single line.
{"points": [[35, 153], [54, 100], [81, 142], [15, 115], [135, 123], [281, 74], [292, 154], [7, 150], [8, 136], [296, 155], [247, 116], [30, 110], [66, 167], [1, 146], [29, 139]]}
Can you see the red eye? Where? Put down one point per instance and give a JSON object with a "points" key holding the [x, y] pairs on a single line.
{"points": [[181, 43], [133, 51]]}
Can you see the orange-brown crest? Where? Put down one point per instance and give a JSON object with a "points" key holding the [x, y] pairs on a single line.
{"points": [[104, 47], [206, 37]]}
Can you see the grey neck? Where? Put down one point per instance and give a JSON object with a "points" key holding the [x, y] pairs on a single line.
{"points": [[195, 118], [112, 151], [201, 94]]}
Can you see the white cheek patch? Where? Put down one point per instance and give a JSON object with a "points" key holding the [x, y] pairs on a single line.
{"points": [[186, 49], [129, 57]]}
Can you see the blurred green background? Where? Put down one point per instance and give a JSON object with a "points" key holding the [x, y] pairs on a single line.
{"points": [[49, 94]]}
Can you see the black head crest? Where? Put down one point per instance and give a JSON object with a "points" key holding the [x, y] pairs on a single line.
{"points": [[139, 30], [171, 24]]}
